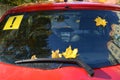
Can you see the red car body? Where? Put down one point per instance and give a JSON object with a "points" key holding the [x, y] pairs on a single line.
{"points": [[15, 72]]}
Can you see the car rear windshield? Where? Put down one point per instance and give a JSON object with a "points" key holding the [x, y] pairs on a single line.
{"points": [[95, 33]]}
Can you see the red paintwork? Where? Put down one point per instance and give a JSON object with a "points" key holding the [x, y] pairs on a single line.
{"points": [[13, 72], [61, 6]]}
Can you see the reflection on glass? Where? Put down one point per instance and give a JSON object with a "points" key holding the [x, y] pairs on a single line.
{"points": [[43, 31]]}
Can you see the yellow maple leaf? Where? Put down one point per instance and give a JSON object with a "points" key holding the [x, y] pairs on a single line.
{"points": [[33, 57], [100, 22], [69, 53], [56, 54]]}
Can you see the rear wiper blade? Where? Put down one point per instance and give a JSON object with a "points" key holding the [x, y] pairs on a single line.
{"points": [[79, 62]]}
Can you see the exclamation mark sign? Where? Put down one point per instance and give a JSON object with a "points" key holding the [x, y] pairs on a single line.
{"points": [[13, 22]]}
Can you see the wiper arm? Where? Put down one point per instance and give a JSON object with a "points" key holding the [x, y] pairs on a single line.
{"points": [[59, 60]]}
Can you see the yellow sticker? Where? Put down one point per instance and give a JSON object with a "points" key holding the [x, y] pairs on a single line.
{"points": [[13, 22]]}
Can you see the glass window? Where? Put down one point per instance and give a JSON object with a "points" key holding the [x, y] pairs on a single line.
{"points": [[94, 32]]}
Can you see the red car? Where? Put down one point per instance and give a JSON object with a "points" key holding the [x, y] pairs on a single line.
{"points": [[60, 41]]}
